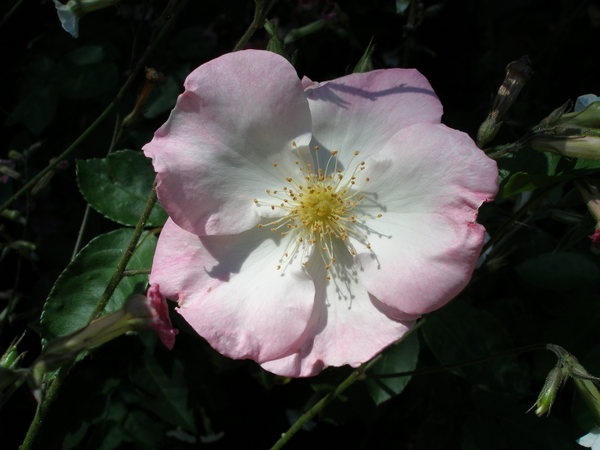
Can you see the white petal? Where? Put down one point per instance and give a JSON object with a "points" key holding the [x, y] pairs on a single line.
{"points": [[240, 115], [230, 292], [348, 325]]}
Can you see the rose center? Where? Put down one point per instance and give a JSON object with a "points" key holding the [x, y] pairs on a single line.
{"points": [[322, 211]]}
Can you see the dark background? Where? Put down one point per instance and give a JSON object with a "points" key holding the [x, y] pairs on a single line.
{"points": [[50, 94]]}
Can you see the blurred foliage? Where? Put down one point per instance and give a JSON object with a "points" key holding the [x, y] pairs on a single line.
{"points": [[537, 283]]}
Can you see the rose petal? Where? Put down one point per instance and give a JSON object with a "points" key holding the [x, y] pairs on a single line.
{"points": [[348, 325], [431, 168], [591, 440], [239, 115], [230, 292], [421, 261], [429, 182], [362, 111]]}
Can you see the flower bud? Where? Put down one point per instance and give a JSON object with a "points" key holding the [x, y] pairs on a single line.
{"points": [[11, 377], [568, 366], [517, 74], [11, 357], [139, 312], [584, 382], [591, 196], [583, 101], [155, 312], [70, 13], [572, 143], [575, 134], [595, 238], [588, 117], [555, 379]]}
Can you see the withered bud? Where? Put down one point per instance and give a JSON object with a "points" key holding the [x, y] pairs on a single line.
{"points": [[517, 74]]}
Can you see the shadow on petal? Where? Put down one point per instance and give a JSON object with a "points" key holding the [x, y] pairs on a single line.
{"points": [[328, 93], [231, 251]]}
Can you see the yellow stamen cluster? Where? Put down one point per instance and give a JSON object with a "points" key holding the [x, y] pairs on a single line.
{"points": [[322, 210]]}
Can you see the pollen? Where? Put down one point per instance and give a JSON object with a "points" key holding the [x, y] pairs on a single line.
{"points": [[322, 210]]}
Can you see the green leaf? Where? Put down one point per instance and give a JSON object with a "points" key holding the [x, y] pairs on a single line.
{"points": [[365, 64], [36, 108], [88, 54], [401, 357], [166, 395], [298, 33], [77, 290], [275, 43], [89, 81], [524, 182], [560, 272], [118, 187], [140, 428], [86, 72], [587, 164], [461, 333]]}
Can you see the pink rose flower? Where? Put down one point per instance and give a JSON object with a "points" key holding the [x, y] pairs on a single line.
{"points": [[311, 224]]}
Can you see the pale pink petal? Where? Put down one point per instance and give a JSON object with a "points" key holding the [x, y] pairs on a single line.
{"points": [[240, 115], [420, 261], [348, 326], [362, 111], [430, 168], [230, 292], [429, 182]]}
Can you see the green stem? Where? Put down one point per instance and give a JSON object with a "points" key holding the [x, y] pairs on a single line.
{"points": [[358, 374], [260, 15], [50, 394], [43, 406], [321, 404], [10, 12], [134, 272], [82, 137], [79, 239], [119, 272]]}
